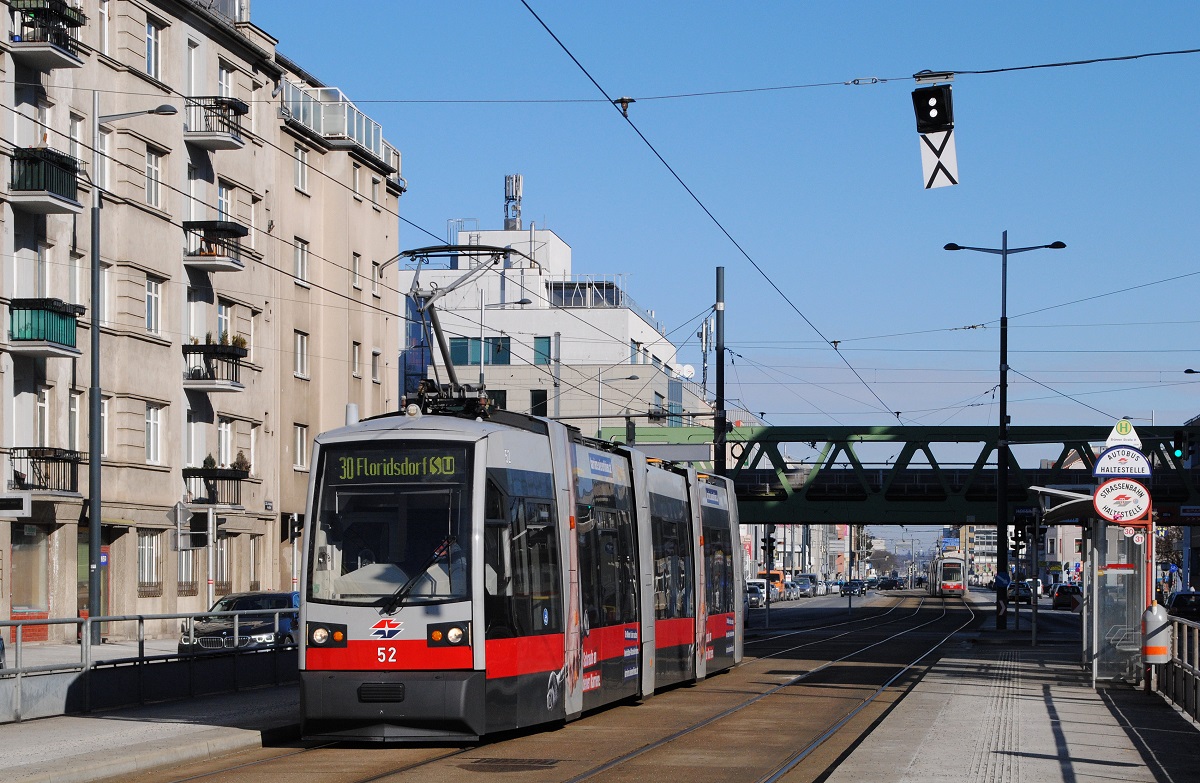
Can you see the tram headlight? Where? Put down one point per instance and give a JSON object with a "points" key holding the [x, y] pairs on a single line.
{"points": [[326, 635], [454, 635], [320, 635]]}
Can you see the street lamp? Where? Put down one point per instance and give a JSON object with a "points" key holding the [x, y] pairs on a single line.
{"points": [[482, 307], [600, 396], [1002, 453], [95, 436]]}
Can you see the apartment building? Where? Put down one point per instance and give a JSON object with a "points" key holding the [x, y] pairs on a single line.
{"points": [[243, 208]]}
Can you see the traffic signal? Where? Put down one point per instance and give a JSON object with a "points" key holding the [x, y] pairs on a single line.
{"points": [[1180, 445], [768, 543], [934, 109], [198, 531]]}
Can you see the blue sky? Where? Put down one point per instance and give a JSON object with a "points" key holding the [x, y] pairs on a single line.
{"points": [[821, 185]]}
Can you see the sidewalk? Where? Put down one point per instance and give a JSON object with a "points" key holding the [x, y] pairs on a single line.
{"points": [[996, 710], [78, 749]]}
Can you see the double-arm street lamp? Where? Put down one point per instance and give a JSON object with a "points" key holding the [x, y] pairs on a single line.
{"points": [[95, 433], [1002, 451]]}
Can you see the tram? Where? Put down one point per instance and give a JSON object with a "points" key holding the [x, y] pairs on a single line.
{"points": [[475, 573], [947, 574]]}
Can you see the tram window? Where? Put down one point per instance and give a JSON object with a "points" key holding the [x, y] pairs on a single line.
{"points": [[522, 587], [674, 567], [718, 561], [607, 566]]}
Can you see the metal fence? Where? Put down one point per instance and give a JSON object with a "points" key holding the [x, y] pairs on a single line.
{"points": [[1179, 680], [40, 680]]}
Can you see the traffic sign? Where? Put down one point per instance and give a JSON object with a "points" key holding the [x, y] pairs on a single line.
{"points": [[1122, 461], [1121, 499], [939, 160], [1123, 434]]}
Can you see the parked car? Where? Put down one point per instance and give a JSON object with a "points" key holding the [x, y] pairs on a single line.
{"points": [[805, 588], [1060, 595], [1185, 606], [755, 597], [855, 587], [2, 652], [791, 590], [254, 631], [1020, 593]]}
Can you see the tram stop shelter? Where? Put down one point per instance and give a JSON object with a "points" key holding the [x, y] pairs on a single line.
{"points": [[1117, 560]]}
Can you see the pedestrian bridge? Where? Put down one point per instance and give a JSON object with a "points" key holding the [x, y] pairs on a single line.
{"points": [[849, 481]]}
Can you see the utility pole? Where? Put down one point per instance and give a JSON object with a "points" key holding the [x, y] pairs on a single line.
{"points": [[719, 421]]}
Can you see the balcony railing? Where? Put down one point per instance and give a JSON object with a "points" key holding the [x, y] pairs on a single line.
{"points": [[214, 245], [44, 180], [46, 469], [215, 486], [43, 327], [52, 22], [213, 368], [327, 112], [596, 291], [215, 122]]}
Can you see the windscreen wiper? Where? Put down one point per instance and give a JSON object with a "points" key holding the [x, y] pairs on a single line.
{"points": [[402, 592]]}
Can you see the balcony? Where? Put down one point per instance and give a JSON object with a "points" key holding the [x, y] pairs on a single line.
{"points": [[45, 469], [44, 182], [215, 486], [215, 123], [43, 327], [214, 245], [213, 368], [327, 113], [44, 37]]}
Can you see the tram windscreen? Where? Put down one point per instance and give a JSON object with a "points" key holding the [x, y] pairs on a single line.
{"points": [[952, 571], [392, 524]]}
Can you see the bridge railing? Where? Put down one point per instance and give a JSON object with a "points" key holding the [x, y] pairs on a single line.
{"points": [[1179, 680]]}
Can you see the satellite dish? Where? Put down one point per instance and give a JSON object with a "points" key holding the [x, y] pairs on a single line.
{"points": [[687, 371]]}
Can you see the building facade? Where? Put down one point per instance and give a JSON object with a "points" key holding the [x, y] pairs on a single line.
{"points": [[238, 312]]}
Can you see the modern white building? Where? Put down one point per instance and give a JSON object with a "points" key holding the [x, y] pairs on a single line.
{"points": [[546, 339]]}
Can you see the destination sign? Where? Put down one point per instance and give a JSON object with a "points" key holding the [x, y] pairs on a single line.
{"points": [[1121, 499], [1122, 461], [358, 468]]}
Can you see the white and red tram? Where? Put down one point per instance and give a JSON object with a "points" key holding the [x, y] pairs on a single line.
{"points": [[465, 576], [947, 574]]}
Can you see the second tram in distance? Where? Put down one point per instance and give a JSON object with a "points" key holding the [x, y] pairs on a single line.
{"points": [[465, 576], [947, 575]]}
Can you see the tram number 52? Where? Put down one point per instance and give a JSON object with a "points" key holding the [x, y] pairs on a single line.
{"points": [[386, 654]]}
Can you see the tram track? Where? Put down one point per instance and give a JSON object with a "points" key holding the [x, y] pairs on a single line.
{"points": [[849, 684]]}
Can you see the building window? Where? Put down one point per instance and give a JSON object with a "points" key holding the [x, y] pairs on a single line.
{"points": [[42, 423], [224, 320], [300, 446], [224, 81], [153, 177], [191, 440], [75, 136], [375, 190], [153, 433], [300, 365], [74, 416], [301, 155], [499, 398], [104, 26], [104, 426], [221, 572], [499, 350], [633, 352], [355, 366], [154, 49], [464, 351], [541, 350], [105, 287], [102, 154], [187, 573], [355, 177], [301, 259], [255, 573], [375, 278], [376, 363], [538, 399], [30, 578], [149, 570], [356, 270], [224, 442], [224, 200], [153, 305]]}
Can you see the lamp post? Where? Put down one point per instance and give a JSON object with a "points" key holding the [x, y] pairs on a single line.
{"points": [[600, 396], [1002, 451], [95, 434]]}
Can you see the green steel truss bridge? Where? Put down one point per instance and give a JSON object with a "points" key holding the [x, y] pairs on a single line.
{"points": [[841, 486]]}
